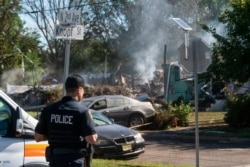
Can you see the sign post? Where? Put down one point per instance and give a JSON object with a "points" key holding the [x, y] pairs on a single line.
{"points": [[66, 60], [69, 28], [198, 52], [195, 55], [186, 58]]}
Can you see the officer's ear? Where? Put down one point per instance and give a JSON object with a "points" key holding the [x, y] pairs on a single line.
{"points": [[80, 88]]}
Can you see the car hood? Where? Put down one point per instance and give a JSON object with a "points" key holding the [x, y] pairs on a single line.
{"points": [[114, 131]]}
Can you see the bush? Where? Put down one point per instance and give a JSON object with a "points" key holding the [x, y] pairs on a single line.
{"points": [[238, 114], [174, 114], [181, 112], [53, 95], [162, 120]]}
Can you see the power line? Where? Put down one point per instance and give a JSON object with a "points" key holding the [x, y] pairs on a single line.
{"points": [[77, 6]]}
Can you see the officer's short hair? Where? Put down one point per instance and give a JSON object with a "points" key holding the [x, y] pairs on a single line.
{"points": [[74, 81]]}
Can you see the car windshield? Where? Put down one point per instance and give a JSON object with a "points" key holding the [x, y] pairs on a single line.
{"points": [[86, 103], [100, 120]]}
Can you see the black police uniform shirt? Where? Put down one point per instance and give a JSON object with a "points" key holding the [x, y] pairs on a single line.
{"points": [[64, 122]]}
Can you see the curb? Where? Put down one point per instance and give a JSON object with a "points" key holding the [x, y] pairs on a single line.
{"points": [[207, 123], [178, 135]]}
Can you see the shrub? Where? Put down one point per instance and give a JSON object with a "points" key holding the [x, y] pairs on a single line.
{"points": [[238, 114], [174, 114], [181, 112], [163, 119], [53, 95]]}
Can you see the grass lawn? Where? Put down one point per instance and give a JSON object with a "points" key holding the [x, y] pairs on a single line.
{"points": [[124, 163], [207, 116], [220, 130]]}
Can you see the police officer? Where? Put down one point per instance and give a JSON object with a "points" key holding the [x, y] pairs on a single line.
{"points": [[68, 127]]}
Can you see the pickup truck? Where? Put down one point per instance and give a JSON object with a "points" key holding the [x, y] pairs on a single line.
{"points": [[17, 145]]}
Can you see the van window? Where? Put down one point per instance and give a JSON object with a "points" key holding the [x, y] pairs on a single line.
{"points": [[5, 118]]}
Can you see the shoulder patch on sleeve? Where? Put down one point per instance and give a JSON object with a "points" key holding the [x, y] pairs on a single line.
{"points": [[90, 114]]}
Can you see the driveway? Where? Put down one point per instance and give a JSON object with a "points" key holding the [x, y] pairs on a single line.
{"points": [[167, 147]]}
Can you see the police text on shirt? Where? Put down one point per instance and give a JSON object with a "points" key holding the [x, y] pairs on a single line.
{"points": [[61, 119]]}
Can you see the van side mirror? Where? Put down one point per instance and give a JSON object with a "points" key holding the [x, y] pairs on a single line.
{"points": [[19, 123], [19, 127]]}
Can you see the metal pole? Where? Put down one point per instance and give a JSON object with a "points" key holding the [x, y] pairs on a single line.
{"points": [[66, 62], [23, 68], [165, 54], [195, 52], [105, 68], [186, 45], [165, 73], [168, 81]]}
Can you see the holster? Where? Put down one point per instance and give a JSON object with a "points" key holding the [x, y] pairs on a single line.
{"points": [[48, 153]]}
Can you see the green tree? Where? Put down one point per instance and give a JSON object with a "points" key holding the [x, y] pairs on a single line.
{"points": [[209, 10], [230, 54], [18, 46], [10, 30], [32, 50], [91, 57]]}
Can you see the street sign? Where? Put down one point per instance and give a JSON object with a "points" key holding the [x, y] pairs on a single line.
{"points": [[67, 17], [69, 32], [69, 27], [203, 56]]}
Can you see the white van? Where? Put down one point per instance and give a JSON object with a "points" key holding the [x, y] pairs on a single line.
{"points": [[17, 145]]}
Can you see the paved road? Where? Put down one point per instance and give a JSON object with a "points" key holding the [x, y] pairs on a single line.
{"points": [[169, 148]]}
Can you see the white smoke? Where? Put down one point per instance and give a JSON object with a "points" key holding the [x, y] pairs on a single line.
{"points": [[146, 63], [14, 76], [151, 37], [220, 29], [17, 77], [156, 30]]}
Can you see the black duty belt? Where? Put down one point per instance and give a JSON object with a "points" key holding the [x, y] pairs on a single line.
{"points": [[67, 150]]}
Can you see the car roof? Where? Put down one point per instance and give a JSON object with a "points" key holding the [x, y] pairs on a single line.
{"points": [[104, 96]]}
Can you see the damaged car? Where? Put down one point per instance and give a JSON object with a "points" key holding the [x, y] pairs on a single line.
{"points": [[122, 109]]}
